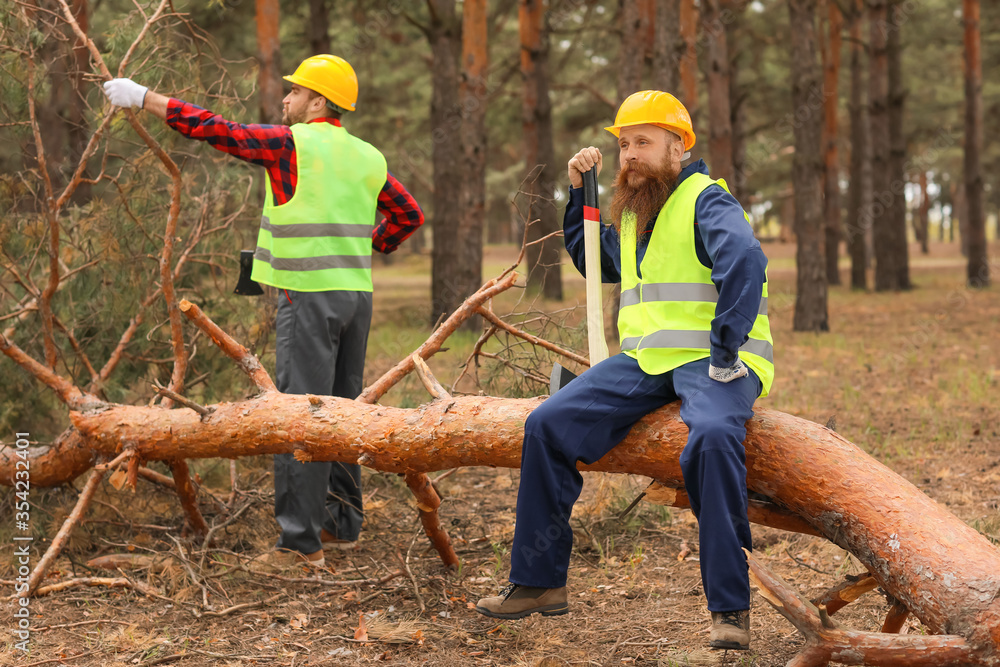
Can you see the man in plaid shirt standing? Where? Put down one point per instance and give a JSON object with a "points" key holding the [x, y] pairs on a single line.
{"points": [[324, 188]]}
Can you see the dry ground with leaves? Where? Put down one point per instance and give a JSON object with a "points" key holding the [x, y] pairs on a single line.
{"points": [[911, 378]]}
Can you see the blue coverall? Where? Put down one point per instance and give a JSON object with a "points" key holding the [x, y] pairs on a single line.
{"points": [[588, 417]]}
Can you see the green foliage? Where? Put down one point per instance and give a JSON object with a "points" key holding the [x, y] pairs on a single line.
{"points": [[111, 231]]}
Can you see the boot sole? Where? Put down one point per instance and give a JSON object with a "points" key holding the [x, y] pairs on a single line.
{"points": [[550, 610], [732, 646]]}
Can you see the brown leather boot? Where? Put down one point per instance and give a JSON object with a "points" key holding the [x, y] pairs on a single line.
{"points": [[331, 542], [516, 601], [730, 629]]}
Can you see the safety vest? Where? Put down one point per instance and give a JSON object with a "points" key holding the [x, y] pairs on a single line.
{"points": [[665, 318], [321, 239]]}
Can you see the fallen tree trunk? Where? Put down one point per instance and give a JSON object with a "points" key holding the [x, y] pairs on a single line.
{"points": [[946, 573]]}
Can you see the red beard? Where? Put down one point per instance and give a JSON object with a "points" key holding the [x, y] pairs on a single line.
{"points": [[642, 189]]}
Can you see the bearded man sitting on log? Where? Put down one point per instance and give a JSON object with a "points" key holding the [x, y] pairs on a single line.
{"points": [[693, 327]]}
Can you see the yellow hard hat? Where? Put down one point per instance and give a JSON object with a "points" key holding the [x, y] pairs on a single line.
{"points": [[655, 107], [330, 76]]}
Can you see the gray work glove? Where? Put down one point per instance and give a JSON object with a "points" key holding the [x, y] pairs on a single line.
{"points": [[125, 92], [737, 370]]}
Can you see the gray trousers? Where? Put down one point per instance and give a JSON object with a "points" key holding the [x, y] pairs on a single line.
{"points": [[321, 343]]}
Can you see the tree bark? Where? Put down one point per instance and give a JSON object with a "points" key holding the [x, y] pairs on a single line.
{"points": [[807, 171], [318, 29], [978, 267], [689, 64], [472, 101], [720, 128], [923, 215], [831, 160], [897, 148], [632, 50], [859, 187], [667, 45], [448, 290], [544, 259], [880, 212], [270, 87], [737, 98]]}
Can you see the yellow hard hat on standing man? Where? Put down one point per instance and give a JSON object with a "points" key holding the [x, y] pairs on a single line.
{"points": [[330, 76]]}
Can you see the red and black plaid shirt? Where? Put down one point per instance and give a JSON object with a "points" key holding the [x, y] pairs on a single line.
{"points": [[273, 147]]}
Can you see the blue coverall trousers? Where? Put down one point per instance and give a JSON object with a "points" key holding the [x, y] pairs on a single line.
{"points": [[585, 419]]}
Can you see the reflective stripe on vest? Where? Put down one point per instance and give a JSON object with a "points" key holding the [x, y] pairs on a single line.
{"points": [[294, 231], [695, 340], [676, 292], [321, 239], [666, 322]]}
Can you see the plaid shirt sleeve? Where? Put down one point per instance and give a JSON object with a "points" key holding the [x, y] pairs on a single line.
{"points": [[270, 146], [402, 216]]}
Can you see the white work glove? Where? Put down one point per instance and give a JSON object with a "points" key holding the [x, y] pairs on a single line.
{"points": [[125, 92], [737, 370]]}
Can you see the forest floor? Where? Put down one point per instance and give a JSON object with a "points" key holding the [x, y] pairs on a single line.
{"points": [[911, 378]]}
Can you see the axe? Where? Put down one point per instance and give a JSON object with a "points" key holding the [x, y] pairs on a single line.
{"points": [[597, 344], [246, 285]]}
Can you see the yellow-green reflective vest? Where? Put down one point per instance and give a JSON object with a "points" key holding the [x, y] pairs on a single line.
{"points": [[666, 317], [321, 238]]}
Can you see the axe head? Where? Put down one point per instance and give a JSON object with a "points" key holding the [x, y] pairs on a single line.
{"points": [[560, 378], [246, 285]]}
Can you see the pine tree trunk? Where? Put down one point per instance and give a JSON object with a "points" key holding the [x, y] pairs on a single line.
{"points": [[923, 217], [897, 148], [885, 243], [544, 259], [667, 45], [831, 160], [807, 172], [269, 83], [859, 188], [689, 66], [318, 28], [630, 53], [720, 128], [447, 257], [737, 97], [921, 554], [978, 266], [472, 99]]}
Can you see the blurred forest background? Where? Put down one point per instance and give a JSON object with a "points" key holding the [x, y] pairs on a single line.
{"points": [[848, 126]]}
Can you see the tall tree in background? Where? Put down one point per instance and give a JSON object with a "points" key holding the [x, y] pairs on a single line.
{"points": [[667, 45], [720, 128], [807, 172], [885, 245], [859, 187], [831, 160], [737, 97], [632, 23], [318, 27], [896, 208], [444, 33], [689, 64], [921, 219], [543, 258], [269, 56], [472, 100], [978, 267]]}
